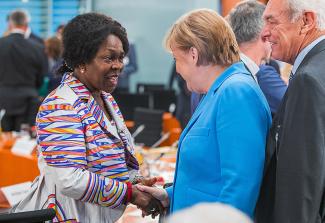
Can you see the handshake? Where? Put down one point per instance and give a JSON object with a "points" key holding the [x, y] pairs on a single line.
{"points": [[150, 199]]}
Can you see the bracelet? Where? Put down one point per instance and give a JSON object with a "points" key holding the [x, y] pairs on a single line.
{"points": [[137, 179], [129, 192]]}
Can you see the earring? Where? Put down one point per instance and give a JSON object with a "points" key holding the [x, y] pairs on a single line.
{"points": [[82, 70]]}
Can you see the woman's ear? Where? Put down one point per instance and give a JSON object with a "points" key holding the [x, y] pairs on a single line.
{"points": [[308, 22], [82, 68], [194, 54]]}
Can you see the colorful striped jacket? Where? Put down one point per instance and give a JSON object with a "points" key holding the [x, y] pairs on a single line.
{"points": [[81, 156]]}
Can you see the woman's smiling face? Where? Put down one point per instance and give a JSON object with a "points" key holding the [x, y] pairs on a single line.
{"points": [[102, 73]]}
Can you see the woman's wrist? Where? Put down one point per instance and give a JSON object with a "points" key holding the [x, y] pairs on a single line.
{"points": [[129, 192]]}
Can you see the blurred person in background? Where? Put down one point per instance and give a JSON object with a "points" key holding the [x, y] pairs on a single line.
{"points": [[183, 100], [130, 67], [209, 213], [86, 155], [247, 23], [29, 34], [59, 31], [221, 150], [53, 49], [293, 188], [22, 69]]}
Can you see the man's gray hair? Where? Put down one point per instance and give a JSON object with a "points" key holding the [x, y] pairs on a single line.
{"points": [[297, 7], [19, 17], [246, 20]]}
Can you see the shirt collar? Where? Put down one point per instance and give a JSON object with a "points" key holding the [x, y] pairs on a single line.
{"points": [[250, 64], [304, 52], [20, 31], [28, 32], [80, 89], [235, 68]]}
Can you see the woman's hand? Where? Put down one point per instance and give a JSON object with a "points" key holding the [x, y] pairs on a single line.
{"points": [[158, 193], [146, 202]]}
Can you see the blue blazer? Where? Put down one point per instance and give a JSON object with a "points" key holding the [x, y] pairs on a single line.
{"points": [[222, 149]]}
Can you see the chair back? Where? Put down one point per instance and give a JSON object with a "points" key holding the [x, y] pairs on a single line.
{"points": [[152, 121], [37, 216]]}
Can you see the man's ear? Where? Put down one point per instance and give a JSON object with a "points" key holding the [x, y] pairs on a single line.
{"points": [[308, 22], [194, 54]]}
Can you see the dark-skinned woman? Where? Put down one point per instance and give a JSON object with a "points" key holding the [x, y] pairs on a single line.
{"points": [[86, 156]]}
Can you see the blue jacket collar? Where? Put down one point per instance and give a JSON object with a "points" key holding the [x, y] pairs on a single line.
{"points": [[238, 67]]}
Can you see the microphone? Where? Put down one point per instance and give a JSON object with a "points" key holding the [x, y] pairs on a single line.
{"points": [[161, 139], [2, 113], [138, 130]]}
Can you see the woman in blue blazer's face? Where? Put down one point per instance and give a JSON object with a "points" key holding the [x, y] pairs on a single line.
{"points": [[203, 46]]}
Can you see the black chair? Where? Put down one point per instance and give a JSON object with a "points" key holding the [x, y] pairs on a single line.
{"points": [[152, 121], [127, 103], [163, 99], [145, 88], [38, 216]]}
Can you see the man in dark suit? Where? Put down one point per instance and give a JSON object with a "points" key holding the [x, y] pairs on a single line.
{"points": [[21, 73], [29, 34], [293, 188]]}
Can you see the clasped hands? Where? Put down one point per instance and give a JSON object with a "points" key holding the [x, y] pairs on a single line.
{"points": [[150, 199]]}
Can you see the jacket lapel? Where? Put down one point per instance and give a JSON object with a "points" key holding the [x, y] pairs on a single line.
{"points": [[233, 69], [101, 118], [315, 50], [91, 105], [278, 119]]}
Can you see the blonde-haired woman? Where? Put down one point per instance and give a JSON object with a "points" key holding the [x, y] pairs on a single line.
{"points": [[222, 149]]}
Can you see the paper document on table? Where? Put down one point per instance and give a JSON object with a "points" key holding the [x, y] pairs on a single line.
{"points": [[16, 193], [24, 145]]}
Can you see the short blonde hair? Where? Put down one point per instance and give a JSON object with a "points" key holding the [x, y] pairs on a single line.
{"points": [[209, 33]]}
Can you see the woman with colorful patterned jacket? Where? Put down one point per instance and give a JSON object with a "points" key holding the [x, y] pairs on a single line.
{"points": [[86, 158]]}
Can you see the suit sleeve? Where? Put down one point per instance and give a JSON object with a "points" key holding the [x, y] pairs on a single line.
{"points": [[170, 191], [62, 144], [242, 125], [272, 85], [300, 166]]}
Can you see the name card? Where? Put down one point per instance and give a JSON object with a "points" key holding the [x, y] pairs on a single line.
{"points": [[15, 193], [24, 145]]}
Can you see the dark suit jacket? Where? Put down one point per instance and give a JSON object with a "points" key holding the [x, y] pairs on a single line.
{"points": [[272, 86], [36, 39], [294, 180], [22, 69]]}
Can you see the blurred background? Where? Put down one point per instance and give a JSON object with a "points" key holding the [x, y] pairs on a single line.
{"points": [[146, 22]]}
